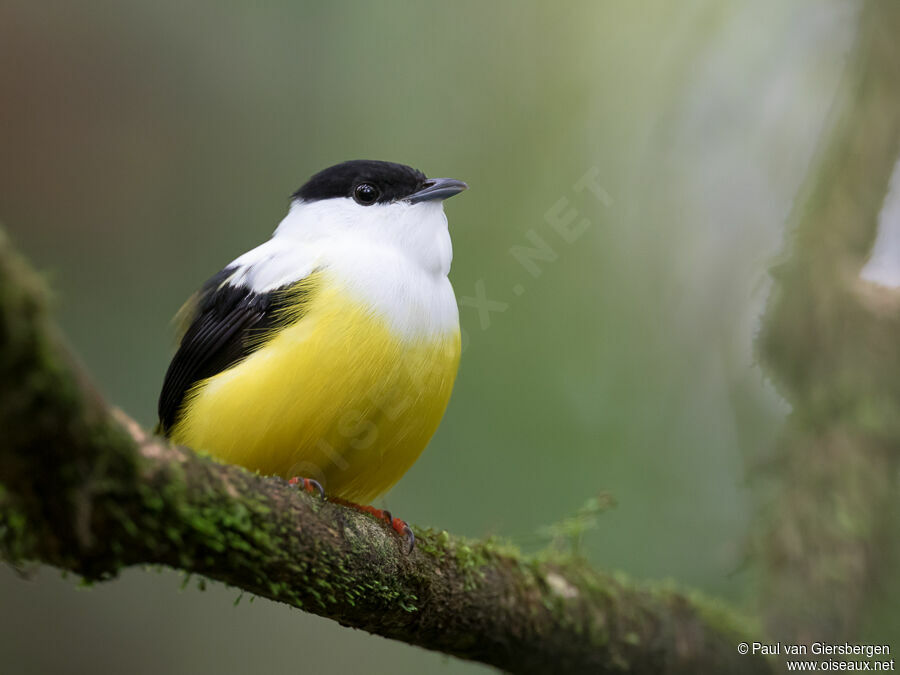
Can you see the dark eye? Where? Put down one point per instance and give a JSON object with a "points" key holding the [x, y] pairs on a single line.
{"points": [[365, 194]]}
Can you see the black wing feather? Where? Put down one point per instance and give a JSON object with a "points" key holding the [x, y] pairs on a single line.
{"points": [[226, 328]]}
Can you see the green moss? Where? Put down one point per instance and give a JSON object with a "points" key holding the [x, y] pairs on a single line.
{"points": [[243, 533], [16, 537], [568, 533], [715, 613], [432, 543]]}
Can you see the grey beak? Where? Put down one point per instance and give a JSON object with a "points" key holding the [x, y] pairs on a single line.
{"points": [[437, 188]]}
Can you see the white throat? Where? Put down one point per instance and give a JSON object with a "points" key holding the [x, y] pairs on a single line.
{"points": [[393, 257], [417, 231]]}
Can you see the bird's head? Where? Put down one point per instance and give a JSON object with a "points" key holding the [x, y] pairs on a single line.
{"points": [[379, 202], [369, 182]]}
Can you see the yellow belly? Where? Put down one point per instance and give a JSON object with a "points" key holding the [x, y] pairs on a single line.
{"points": [[336, 397]]}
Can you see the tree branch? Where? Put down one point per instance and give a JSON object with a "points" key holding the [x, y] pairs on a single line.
{"points": [[829, 340], [84, 489]]}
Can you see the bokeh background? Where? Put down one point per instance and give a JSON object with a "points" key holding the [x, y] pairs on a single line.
{"points": [[143, 145]]}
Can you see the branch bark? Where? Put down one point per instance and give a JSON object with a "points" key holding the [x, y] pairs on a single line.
{"points": [[83, 488], [829, 340]]}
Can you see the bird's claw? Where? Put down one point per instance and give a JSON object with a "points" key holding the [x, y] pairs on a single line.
{"points": [[385, 516], [308, 484], [409, 538], [401, 528]]}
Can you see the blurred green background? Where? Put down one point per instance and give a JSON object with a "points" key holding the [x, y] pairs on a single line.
{"points": [[143, 145]]}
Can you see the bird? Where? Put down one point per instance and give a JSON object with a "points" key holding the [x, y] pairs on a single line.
{"points": [[326, 355]]}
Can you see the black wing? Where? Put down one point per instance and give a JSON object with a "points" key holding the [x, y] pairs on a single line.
{"points": [[229, 323]]}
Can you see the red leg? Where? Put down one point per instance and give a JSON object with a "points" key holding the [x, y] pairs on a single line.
{"points": [[399, 526]]}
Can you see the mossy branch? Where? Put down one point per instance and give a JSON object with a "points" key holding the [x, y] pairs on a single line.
{"points": [[84, 489]]}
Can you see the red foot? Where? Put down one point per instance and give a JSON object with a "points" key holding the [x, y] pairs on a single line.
{"points": [[399, 526], [308, 484]]}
